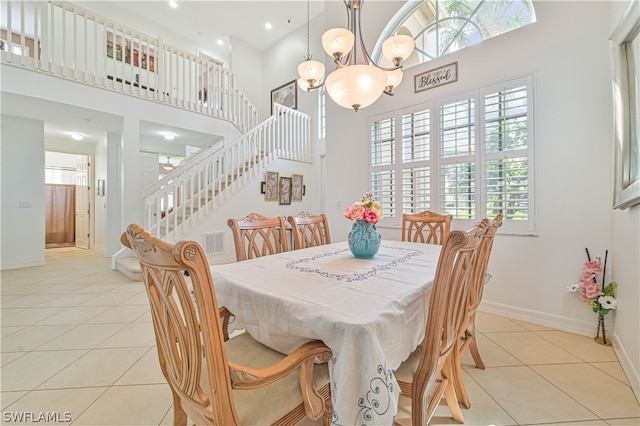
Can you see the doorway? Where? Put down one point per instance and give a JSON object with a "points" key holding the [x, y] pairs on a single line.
{"points": [[67, 202]]}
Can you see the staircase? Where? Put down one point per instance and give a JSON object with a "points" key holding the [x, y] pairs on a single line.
{"points": [[184, 198]]}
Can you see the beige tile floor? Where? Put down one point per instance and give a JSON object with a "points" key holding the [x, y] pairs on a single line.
{"points": [[77, 338]]}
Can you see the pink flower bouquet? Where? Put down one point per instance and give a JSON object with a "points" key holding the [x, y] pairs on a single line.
{"points": [[367, 209]]}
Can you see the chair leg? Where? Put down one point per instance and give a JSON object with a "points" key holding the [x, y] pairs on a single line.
{"points": [[450, 393], [457, 378], [327, 417], [473, 347], [179, 415]]}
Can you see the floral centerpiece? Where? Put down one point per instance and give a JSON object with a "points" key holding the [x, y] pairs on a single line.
{"points": [[366, 209], [364, 239], [599, 297]]}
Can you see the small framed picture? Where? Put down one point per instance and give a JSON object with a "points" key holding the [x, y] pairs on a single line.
{"points": [[296, 188], [100, 187], [286, 95], [271, 186], [285, 190]]}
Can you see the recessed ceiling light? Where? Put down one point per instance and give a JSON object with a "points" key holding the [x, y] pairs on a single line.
{"points": [[77, 137], [173, 4], [268, 25], [220, 42], [169, 136]]}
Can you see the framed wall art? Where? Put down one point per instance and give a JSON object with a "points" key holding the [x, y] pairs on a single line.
{"points": [[285, 190], [271, 186], [296, 188], [286, 95], [625, 51]]}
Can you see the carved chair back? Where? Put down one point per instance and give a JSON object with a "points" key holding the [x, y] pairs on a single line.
{"points": [[309, 230], [257, 235], [426, 227], [184, 353]]}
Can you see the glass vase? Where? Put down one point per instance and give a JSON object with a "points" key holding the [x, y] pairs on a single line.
{"points": [[364, 240], [601, 333]]}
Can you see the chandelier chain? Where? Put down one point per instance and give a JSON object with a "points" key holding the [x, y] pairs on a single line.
{"points": [[309, 56]]}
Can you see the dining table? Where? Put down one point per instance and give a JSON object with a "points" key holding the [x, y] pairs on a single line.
{"points": [[371, 313]]}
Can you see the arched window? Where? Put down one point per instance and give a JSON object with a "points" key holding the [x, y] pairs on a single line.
{"points": [[440, 27]]}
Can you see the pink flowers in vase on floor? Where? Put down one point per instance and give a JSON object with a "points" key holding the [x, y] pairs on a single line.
{"points": [[598, 297]]}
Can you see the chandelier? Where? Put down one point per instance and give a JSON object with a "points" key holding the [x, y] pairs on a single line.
{"points": [[352, 84]]}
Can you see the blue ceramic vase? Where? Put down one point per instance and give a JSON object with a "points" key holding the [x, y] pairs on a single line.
{"points": [[364, 240]]}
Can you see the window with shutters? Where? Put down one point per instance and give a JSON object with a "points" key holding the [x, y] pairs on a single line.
{"points": [[470, 156], [322, 113]]}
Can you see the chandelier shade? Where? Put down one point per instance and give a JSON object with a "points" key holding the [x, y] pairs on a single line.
{"points": [[356, 86], [398, 48], [338, 42], [393, 79], [310, 70], [352, 84]]}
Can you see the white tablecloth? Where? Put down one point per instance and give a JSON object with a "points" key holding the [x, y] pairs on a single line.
{"points": [[370, 312]]}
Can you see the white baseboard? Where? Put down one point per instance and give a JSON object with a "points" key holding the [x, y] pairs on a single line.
{"points": [[627, 366], [570, 325], [26, 264]]}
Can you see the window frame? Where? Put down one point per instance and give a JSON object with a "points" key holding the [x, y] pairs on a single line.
{"points": [[626, 136], [479, 157]]}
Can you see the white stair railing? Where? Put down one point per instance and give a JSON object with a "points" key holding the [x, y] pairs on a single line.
{"points": [[67, 41], [186, 196]]}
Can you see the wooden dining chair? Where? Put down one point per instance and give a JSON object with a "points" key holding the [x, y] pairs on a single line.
{"points": [[213, 381], [426, 227], [257, 235], [427, 375], [467, 338], [309, 230]]}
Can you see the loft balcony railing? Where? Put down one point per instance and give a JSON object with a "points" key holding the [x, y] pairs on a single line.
{"points": [[61, 39]]}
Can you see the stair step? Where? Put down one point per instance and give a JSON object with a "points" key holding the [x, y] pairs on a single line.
{"points": [[130, 267]]}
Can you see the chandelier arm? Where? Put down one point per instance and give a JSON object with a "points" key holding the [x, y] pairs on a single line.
{"points": [[385, 68], [345, 61], [358, 22], [309, 89], [354, 27]]}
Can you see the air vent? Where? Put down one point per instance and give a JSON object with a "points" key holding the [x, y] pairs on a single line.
{"points": [[213, 242]]}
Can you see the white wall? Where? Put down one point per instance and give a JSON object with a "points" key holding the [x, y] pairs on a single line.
{"points": [[247, 65], [250, 200], [22, 193]]}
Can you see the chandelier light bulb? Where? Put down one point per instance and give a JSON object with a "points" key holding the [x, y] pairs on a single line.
{"points": [[398, 48], [337, 42]]}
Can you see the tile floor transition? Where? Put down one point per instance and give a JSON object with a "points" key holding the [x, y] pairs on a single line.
{"points": [[77, 338]]}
